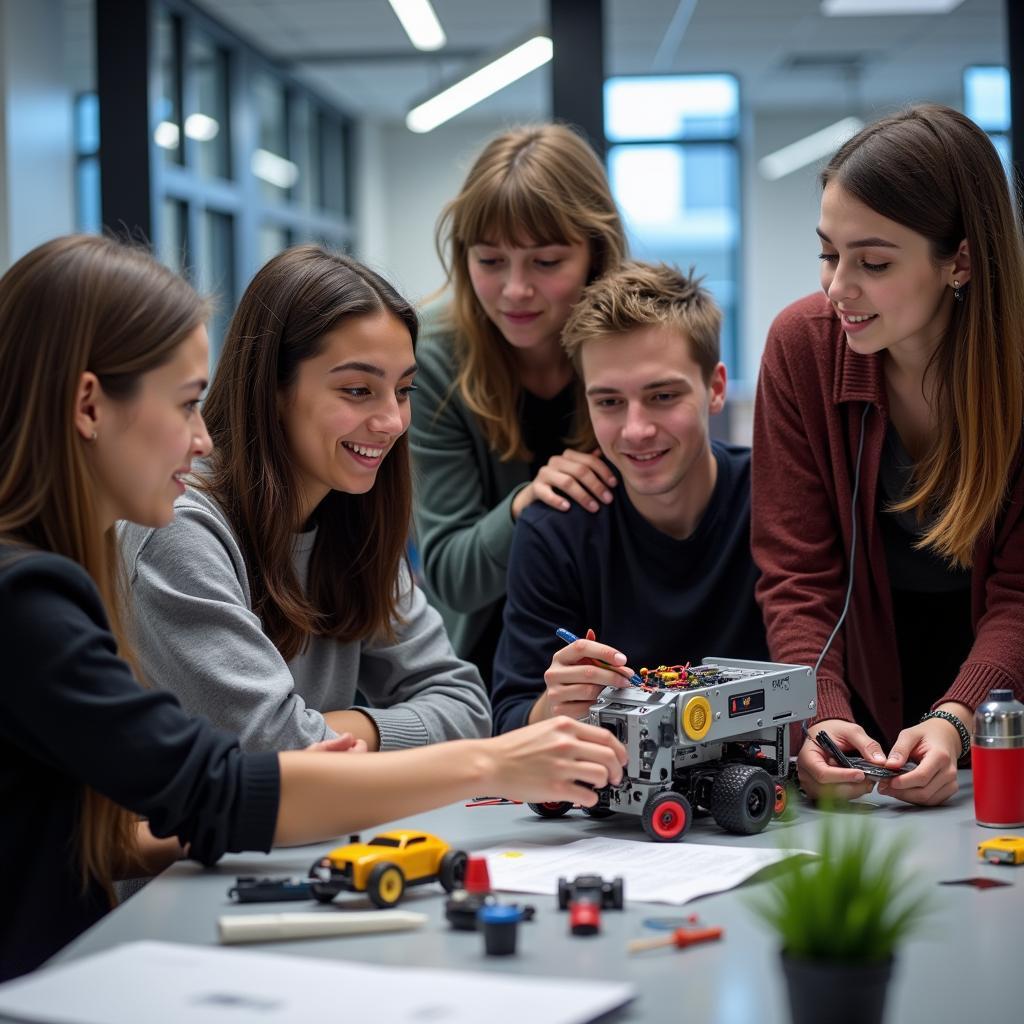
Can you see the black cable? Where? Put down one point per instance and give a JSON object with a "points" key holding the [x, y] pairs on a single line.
{"points": [[853, 549]]}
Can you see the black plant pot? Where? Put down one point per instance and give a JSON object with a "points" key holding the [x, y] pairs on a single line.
{"points": [[840, 993]]}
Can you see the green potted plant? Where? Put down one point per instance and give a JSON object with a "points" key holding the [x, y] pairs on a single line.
{"points": [[840, 919]]}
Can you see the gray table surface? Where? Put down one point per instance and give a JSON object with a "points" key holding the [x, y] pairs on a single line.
{"points": [[966, 962]]}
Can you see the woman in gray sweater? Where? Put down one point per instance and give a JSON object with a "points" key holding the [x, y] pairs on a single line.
{"points": [[280, 589]]}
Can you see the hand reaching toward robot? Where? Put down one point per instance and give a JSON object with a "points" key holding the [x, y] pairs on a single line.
{"points": [[576, 675]]}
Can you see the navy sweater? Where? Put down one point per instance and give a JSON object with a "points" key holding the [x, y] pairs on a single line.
{"points": [[72, 715], [657, 599]]}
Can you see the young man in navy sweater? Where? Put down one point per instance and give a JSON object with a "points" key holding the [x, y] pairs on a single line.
{"points": [[663, 573]]}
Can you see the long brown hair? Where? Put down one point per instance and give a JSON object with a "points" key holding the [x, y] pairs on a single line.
{"points": [[538, 185], [353, 587], [76, 304], [934, 171]]}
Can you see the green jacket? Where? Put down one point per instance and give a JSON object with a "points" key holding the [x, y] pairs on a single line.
{"points": [[463, 498]]}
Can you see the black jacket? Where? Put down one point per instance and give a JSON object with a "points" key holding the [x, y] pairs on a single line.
{"points": [[72, 715]]}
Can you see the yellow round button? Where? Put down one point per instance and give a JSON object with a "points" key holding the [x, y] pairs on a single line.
{"points": [[697, 718]]}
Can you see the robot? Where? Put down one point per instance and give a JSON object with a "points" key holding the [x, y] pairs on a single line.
{"points": [[712, 737]]}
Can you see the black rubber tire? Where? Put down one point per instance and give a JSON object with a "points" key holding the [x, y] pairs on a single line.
{"points": [[453, 870], [323, 891], [743, 799], [667, 816], [597, 811], [551, 810], [373, 885], [564, 893], [322, 894], [618, 895]]}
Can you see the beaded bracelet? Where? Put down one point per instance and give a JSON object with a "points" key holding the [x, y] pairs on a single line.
{"points": [[965, 736]]}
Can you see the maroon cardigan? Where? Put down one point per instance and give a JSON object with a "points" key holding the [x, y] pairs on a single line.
{"points": [[807, 421]]}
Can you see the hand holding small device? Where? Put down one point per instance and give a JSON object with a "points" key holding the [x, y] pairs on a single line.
{"points": [[821, 774], [935, 745], [827, 744]]}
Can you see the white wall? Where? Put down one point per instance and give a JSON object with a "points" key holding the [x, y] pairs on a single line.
{"points": [[407, 179], [36, 140], [780, 247]]}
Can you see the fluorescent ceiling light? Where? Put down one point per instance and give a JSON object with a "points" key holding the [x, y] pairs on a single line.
{"points": [[478, 86], [274, 169], [806, 150], [420, 23], [873, 8], [165, 135], [201, 127]]}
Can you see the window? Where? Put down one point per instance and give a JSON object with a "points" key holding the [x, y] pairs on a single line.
{"points": [[987, 104], [674, 168], [270, 163], [207, 124], [87, 169], [167, 131], [244, 160]]}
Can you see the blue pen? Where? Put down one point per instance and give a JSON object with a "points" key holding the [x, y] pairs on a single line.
{"points": [[570, 638]]}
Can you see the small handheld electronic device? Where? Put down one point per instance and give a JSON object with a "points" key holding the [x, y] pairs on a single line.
{"points": [[827, 744], [250, 889]]}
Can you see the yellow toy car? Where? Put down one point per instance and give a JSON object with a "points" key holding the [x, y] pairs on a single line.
{"points": [[384, 866], [1002, 850]]}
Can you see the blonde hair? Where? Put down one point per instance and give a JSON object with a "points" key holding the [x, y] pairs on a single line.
{"points": [[934, 171], [640, 295], [538, 185], [73, 305]]}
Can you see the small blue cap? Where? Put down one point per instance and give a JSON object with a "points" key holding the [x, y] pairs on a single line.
{"points": [[499, 913]]}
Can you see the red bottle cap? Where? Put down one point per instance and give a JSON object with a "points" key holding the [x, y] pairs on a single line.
{"points": [[478, 878]]}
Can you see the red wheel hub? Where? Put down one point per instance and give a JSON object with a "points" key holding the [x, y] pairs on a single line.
{"points": [[781, 799], [669, 819]]}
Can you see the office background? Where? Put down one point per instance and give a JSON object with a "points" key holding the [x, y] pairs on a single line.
{"points": [[236, 127]]}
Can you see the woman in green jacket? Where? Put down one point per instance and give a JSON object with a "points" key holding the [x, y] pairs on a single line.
{"points": [[496, 423]]}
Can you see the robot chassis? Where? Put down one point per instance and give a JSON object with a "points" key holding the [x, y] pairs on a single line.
{"points": [[712, 737]]}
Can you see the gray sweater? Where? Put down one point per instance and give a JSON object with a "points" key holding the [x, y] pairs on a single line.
{"points": [[196, 634]]}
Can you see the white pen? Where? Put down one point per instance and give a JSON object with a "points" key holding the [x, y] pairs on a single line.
{"points": [[275, 927]]}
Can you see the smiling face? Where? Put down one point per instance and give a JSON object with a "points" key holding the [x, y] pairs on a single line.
{"points": [[528, 292], [881, 279], [348, 406], [145, 444], [649, 405]]}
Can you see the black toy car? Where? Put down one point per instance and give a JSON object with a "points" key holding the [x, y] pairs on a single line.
{"points": [[584, 897]]}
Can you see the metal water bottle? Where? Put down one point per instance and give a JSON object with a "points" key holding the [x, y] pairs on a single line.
{"points": [[997, 759]]}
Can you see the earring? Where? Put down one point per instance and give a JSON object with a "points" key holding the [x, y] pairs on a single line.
{"points": [[957, 293], [92, 437]]}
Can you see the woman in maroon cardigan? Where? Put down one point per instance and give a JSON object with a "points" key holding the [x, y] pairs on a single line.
{"points": [[887, 455]]}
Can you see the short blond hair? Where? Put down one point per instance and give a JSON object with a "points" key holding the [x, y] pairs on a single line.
{"points": [[639, 295]]}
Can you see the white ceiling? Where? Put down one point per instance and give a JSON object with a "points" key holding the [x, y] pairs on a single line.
{"points": [[787, 55]]}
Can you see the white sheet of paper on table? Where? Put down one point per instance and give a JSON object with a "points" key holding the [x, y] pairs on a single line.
{"points": [[653, 872], [167, 983]]}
